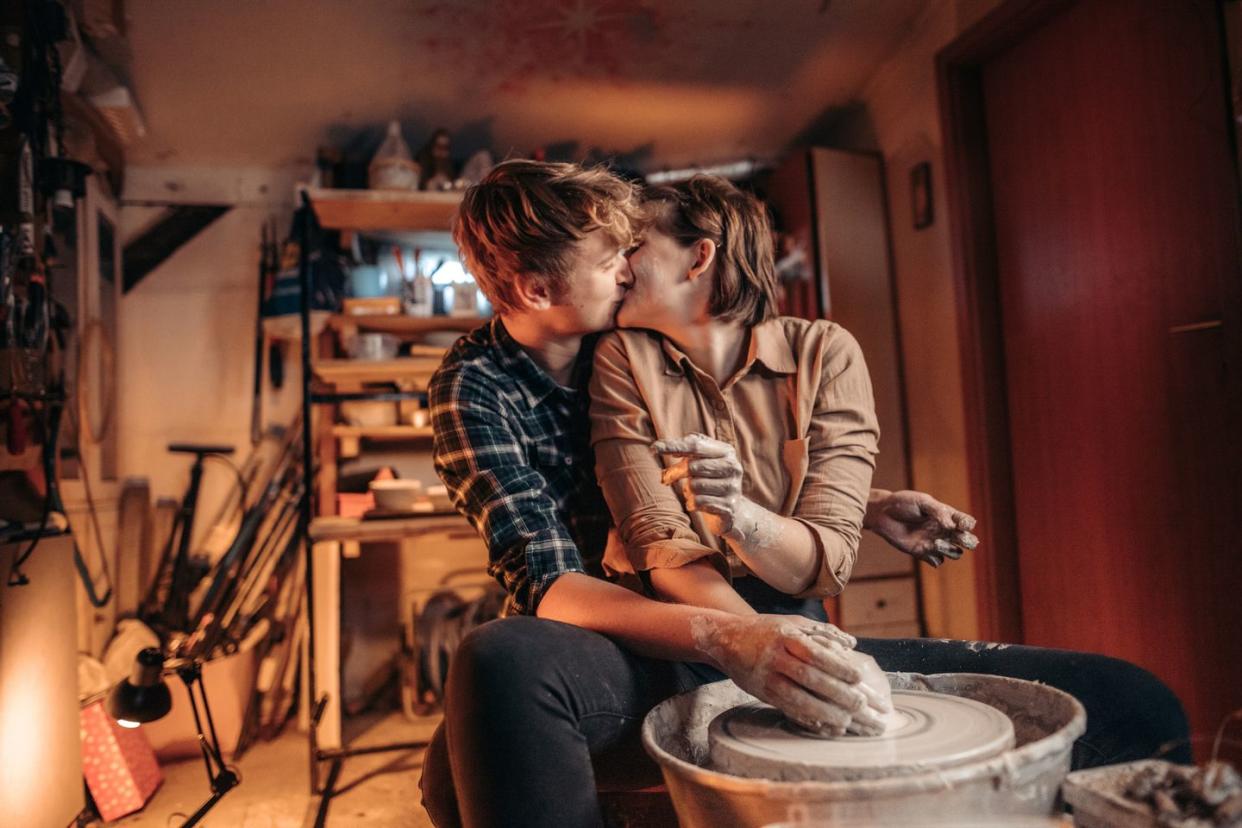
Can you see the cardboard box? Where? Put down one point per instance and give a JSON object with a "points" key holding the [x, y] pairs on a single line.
{"points": [[229, 682], [118, 763]]}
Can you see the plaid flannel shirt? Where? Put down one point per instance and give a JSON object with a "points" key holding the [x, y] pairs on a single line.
{"points": [[513, 448]]}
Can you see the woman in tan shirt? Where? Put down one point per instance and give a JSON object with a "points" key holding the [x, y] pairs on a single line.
{"points": [[767, 423]]}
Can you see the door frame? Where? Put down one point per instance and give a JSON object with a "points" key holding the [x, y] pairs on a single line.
{"points": [[968, 188]]}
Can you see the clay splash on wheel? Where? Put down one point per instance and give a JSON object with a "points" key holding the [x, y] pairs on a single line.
{"points": [[928, 731]]}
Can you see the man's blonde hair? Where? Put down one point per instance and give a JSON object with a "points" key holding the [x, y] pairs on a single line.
{"points": [[524, 216]]}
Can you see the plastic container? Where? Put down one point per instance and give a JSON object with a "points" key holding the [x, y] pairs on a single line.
{"points": [[372, 346], [372, 281]]}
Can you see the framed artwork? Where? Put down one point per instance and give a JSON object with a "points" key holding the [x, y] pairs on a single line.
{"points": [[921, 195]]}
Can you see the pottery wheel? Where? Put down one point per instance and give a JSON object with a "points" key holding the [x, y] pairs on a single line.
{"points": [[926, 731]]}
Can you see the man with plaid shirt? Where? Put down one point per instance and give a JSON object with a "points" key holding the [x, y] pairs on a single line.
{"points": [[534, 699]]}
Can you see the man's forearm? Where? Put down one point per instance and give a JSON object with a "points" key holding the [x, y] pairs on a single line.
{"points": [[647, 627], [698, 584]]}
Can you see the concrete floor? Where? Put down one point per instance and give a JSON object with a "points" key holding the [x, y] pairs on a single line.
{"points": [[377, 790]]}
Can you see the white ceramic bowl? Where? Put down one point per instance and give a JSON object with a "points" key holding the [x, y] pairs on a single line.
{"points": [[369, 413], [396, 495]]}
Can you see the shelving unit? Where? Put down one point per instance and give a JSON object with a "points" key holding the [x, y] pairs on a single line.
{"points": [[331, 381]]}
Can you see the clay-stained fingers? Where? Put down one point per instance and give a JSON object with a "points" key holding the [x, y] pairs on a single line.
{"points": [[699, 445], [806, 708], [946, 548], [678, 471], [964, 522], [933, 559], [829, 632], [849, 698], [966, 539], [722, 506], [727, 466], [715, 487], [826, 655], [876, 701], [866, 722]]}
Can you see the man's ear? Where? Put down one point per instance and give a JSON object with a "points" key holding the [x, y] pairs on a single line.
{"points": [[704, 256], [533, 292]]}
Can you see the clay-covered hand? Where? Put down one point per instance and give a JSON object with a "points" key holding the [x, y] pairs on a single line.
{"points": [[919, 525], [804, 668], [712, 477]]}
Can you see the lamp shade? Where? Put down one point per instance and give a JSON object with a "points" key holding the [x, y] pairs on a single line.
{"points": [[143, 697]]}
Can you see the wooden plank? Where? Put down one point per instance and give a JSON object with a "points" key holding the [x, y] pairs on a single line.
{"points": [[327, 620], [413, 369], [384, 209], [174, 230], [396, 432]]}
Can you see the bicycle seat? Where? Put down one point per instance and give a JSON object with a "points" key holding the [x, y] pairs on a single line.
{"points": [[199, 448]]}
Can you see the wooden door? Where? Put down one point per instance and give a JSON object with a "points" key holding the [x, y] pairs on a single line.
{"points": [[1115, 216]]}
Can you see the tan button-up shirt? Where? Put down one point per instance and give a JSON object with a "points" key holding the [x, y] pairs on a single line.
{"points": [[799, 413]]}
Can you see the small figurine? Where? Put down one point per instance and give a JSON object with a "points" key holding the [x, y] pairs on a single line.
{"points": [[436, 160]]}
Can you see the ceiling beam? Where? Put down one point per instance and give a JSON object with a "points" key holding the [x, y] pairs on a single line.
{"points": [[178, 226]]}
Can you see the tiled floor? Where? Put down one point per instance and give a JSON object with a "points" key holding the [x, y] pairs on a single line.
{"points": [[377, 790]]}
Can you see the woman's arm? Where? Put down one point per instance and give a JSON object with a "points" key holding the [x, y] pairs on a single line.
{"points": [[812, 551], [652, 524]]}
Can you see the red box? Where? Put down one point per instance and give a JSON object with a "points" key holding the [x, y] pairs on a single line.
{"points": [[118, 763]]}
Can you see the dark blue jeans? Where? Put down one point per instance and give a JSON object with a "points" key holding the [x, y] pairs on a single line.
{"points": [[539, 713]]}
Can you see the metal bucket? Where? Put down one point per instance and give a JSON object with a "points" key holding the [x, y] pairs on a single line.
{"points": [[1016, 785]]}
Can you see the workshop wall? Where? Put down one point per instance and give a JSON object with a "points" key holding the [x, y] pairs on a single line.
{"points": [[902, 109], [187, 329]]}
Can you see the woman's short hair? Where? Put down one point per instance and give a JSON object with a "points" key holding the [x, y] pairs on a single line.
{"points": [[707, 207], [524, 217]]}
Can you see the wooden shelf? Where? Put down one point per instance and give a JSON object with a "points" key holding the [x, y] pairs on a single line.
{"points": [[394, 432], [417, 370], [377, 210], [406, 325], [337, 528], [349, 438]]}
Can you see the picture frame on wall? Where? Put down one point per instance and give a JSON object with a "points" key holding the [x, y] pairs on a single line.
{"points": [[921, 201]]}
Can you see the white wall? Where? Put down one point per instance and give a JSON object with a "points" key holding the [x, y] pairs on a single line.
{"points": [[187, 329]]}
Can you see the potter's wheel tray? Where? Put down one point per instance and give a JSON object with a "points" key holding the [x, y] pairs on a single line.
{"points": [[929, 731]]}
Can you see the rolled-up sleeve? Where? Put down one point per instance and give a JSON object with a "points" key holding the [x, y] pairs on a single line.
{"points": [[481, 462], [842, 442], [654, 529]]}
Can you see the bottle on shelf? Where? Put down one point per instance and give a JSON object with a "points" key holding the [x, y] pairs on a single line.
{"points": [[392, 167], [416, 291]]}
